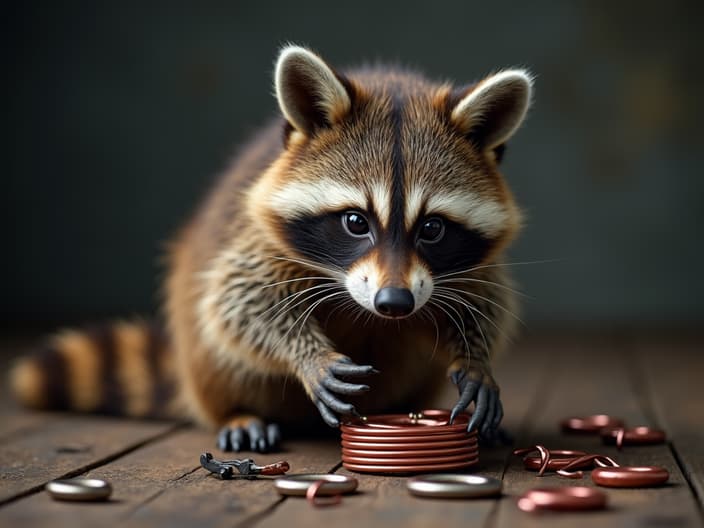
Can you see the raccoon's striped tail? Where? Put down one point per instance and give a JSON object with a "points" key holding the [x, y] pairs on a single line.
{"points": [[121, 368]]}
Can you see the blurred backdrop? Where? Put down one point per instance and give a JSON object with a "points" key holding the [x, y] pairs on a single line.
{"points": [[118, 115]]}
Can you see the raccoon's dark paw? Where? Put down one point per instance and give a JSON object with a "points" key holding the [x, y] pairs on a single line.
{"points": [[325, 385], [250, 436], [480, 389]]}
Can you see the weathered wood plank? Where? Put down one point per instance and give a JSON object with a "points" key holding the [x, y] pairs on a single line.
{"points": [[672, 371], [163, 484], [593, 378], [67, 445], [385, 501]]}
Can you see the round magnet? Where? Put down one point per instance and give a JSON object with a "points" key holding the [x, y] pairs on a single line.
{"points": [[79, 489], [299, 484], [454, 486], [570, 498], [630, 476], [590, 424], [640, 435]]}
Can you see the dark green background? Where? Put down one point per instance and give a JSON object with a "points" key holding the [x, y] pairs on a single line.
{"points": [[117, 116]]}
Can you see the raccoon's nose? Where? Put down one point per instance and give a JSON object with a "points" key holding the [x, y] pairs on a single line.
{"points": [[394, 302]]}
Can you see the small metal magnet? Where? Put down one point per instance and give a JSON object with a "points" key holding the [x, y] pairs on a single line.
{"points": [[331, 484], [630, 476], [454, 486], [79, 489], [571, 498]]}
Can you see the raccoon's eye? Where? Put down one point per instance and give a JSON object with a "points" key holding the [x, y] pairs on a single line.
{"points": [[432, 230], [355, 224]]}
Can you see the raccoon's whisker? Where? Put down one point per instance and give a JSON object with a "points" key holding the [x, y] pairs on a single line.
{"points": [[440, 296], [468, 304], [474, 318], [490, 301], [289, 299], [495, 265], [294, 280], [309, 311], [339, 273], [464, 338], [492, 283], [422, 314]]}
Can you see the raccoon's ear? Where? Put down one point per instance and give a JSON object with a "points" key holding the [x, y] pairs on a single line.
{"points": [[491, 111], [309, 92]]}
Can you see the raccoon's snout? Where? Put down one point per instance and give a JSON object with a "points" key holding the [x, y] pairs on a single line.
{"points": [[394, 302]]}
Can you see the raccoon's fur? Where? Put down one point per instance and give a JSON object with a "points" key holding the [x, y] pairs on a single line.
{"points": [[360, 236]]}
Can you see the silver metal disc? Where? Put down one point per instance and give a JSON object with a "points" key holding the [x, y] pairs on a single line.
{"points": [[454, 486], [299, 484], [79, 489]]}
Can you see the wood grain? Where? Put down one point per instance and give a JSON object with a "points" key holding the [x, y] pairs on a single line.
{"points": [[596, 377]]}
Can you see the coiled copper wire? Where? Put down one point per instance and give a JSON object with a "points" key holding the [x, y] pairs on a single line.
{"points": [[413, 443]]}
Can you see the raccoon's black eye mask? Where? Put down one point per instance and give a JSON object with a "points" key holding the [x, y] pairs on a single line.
{"points": [[339, 239]]}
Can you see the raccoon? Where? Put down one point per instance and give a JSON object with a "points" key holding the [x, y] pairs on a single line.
{"points": [[359, 237]]}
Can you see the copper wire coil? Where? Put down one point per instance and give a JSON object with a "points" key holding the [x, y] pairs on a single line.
{"points": [[413, 443], [590, 424], [571, 498], [418, 468], [395, 446], [630, 476], [424, 453], [412, 461], [419, 437], [430, 422], [559, 458]]}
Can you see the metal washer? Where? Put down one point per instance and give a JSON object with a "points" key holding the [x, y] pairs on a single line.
{"points": [[299, 484], [448, 486], [79, 489]]}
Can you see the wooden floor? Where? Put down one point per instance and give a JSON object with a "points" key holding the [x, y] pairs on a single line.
{"points": [[157, 480]]}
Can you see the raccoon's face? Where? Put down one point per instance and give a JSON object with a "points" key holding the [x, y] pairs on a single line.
{"points": [[389, 181]]}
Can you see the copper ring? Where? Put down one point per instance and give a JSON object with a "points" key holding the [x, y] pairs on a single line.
{"points": [[331, 484], [640, 435], [419, 436], [409, 461], [630, 476], [454, 486], [432, 422], [590, 424], [314, 499], [425, 453], [419, 468], [430, 447], [562, 499]]}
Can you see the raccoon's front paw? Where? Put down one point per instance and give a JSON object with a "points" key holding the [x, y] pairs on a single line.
{"points": [[474, 386], [322, 385], [248, 433]]}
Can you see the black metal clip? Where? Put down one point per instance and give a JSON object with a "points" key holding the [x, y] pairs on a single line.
{"points": [[246, 467]]}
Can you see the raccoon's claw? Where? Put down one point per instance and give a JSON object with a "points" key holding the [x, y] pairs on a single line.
{"points": [[488, 411], [254, 437], [325, 399]]}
